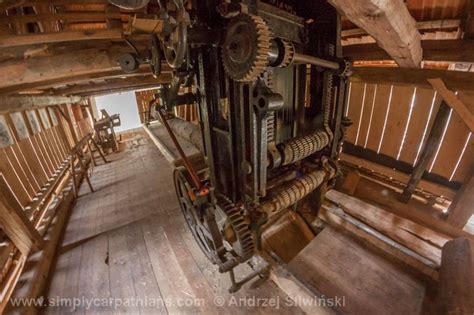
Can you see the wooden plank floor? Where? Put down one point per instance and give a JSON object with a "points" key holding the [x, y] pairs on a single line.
{"points": [[126, 247]]}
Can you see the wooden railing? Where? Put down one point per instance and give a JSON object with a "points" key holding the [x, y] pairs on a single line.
{"points": [[35, 183]]}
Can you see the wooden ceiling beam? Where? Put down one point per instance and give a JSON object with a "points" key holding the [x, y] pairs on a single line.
{"points": [[21, 75], [90, 89], [65, 36], [121, 89], [66, 16], [389, 22], [455, 80], [23, 102], [457, 50], [421, 26]]}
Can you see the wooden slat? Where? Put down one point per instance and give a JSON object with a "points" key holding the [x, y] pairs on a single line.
{"points": [[20, 172], [453, 145], [32, 158], [355, 106], [419, 119], [366, 115], [380, 109], [396, 121]]}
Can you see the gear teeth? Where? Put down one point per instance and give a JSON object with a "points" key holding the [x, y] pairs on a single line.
{"points": [[260, 60], [289, 54], [240, 227]]}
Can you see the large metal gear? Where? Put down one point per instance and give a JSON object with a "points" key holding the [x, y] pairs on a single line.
{"points": [[236, 229], [246, 47], [219, 230]]}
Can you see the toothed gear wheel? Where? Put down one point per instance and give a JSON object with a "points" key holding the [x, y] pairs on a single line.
{"points": [[246, 47], [241, 239], [288, 54]]}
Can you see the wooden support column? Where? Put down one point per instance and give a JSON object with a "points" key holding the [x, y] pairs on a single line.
{"points": [[389, 22], [429, 149], [15, 223], [462, 207], [456, 285]]}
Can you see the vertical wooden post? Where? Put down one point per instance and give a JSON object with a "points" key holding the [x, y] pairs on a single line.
{"points": [[428, 152], [462, 207], [456, 277]]}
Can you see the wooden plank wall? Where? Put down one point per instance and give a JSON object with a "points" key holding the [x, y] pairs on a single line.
{"points": [[395, 121], [143, 100], [34, 146]]}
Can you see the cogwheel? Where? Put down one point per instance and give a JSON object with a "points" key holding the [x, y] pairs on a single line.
{"points": [[246, 47], [289, 52], [240, 237]]}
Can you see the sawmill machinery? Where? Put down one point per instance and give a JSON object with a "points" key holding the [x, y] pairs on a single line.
{"points": [[270, 88]]}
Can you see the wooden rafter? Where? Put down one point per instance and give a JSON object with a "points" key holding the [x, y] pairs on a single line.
{"points": [[65, 36], [67, 16], [28, 74], [20, 103], [114, 85], [454, 102], [433, 50], [390, 24], [421, 26], [455, 80]]}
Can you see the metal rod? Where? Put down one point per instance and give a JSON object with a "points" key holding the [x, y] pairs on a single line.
{"points": [[187, 164], [306, 59]]}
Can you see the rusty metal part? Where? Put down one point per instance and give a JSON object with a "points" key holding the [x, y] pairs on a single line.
{"points": [[246, 47], [192, 173], [295, 191], [297, 149], [236, 229]]}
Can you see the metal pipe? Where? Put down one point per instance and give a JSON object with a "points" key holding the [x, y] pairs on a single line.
{"points": [[307, 59]]}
